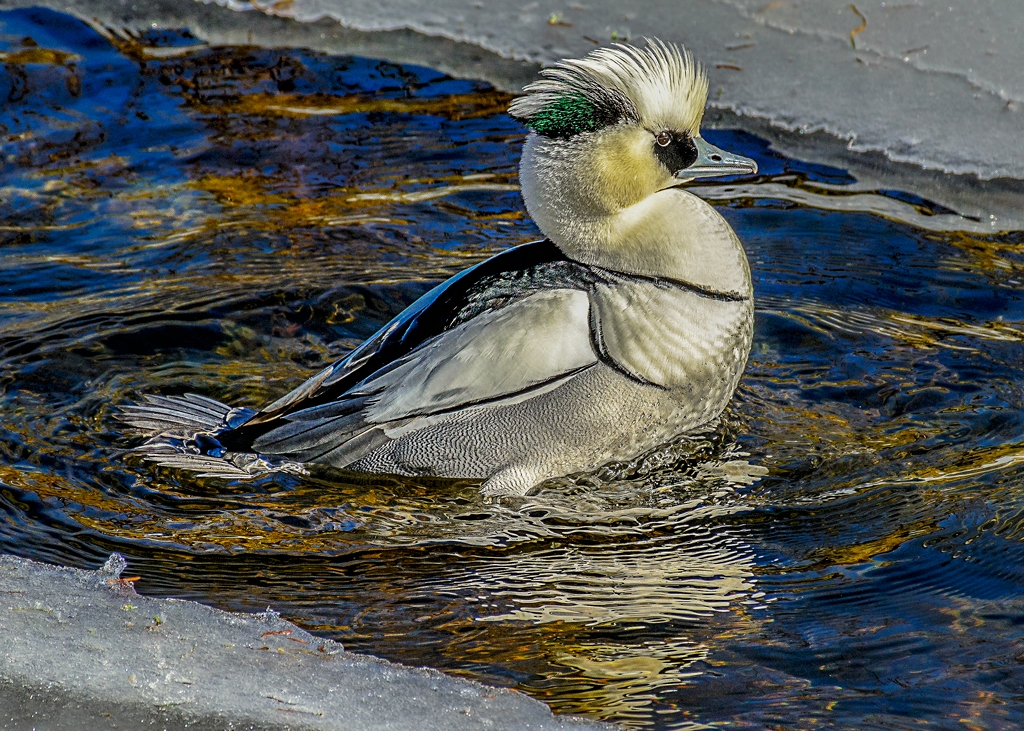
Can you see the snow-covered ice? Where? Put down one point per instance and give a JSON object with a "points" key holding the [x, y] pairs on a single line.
{"points": [[81, 650], [938, 84], [917, 95]]}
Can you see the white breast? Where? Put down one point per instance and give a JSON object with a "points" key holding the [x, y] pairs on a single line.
{"points": [[674, 337]]}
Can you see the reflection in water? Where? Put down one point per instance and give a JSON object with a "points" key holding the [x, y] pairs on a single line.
{"points": [[661, 584], [843, 550], [665, 575]]}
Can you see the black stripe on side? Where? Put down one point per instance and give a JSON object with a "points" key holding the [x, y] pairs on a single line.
{"points": [[697, 289], [601, 350], [565, 376]]}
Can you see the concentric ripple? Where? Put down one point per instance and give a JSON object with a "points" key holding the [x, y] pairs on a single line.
{"points": [[845, 549]]}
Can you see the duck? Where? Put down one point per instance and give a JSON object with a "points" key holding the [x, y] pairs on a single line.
{"points": [[627, 326]]}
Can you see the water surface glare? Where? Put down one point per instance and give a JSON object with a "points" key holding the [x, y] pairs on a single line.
{"points": [[843, 550]]}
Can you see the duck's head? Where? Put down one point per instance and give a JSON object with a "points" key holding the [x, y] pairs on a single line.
{"points": [[609, 131]]}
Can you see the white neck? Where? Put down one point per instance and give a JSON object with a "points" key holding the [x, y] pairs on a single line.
{"points": [[669, 233]]}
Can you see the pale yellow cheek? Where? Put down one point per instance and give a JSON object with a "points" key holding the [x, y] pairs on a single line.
{"points": [[626, 170]]}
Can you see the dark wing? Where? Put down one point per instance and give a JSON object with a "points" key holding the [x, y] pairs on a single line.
{"points": [[489, 286], [502, 356]]}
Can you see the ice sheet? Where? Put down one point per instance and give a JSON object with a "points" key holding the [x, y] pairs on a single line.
{"points": [[919, 96], [934, 84], [82, 650]]}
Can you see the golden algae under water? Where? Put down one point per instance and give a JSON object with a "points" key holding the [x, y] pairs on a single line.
{"points": [[844, 549]]}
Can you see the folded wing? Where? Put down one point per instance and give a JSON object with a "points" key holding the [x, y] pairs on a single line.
{"points": [[514, 352]]}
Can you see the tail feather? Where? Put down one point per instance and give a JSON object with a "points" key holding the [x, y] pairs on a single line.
{"points": [[183, 433], [182, 415], [181, 455], [309, 430]]}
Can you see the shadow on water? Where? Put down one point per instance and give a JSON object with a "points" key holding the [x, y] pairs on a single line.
{"points": [[844, 549]]}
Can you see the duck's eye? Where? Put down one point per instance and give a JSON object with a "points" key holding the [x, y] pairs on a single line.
{"points": [[663, 138]]}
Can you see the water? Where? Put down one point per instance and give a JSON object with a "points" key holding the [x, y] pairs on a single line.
{"points": [[844, 550]]}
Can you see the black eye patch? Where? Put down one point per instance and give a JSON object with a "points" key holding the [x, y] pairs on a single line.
{"points": [[678, 154]]}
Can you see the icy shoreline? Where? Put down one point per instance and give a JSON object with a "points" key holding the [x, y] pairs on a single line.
{"points": [[925, 89], [943, 122], [83, 651], [929, 83]]}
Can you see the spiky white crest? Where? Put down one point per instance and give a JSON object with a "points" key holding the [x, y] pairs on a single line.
{"points": [[659, 87]]}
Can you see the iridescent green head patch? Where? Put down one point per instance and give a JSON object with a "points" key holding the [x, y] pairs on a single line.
{"points": [[568, 115], [657, 87]]}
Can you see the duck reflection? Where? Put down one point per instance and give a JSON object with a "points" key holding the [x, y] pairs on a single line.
{"points": [[613, 611], [681, 573]]}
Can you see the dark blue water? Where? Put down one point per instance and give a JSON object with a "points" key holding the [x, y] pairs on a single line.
{"points": [[844, 551]]}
